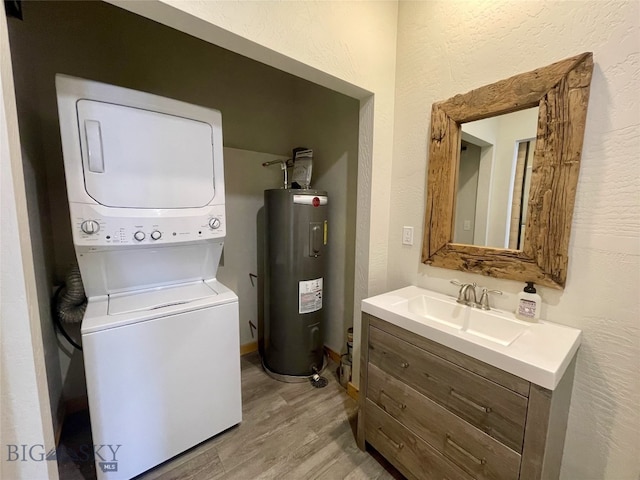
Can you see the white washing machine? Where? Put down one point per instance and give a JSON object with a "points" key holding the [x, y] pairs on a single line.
{"points": [[160, 336]]}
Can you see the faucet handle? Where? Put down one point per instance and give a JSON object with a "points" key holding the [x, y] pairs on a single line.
{"points": [[458, 283], [484, 298]]}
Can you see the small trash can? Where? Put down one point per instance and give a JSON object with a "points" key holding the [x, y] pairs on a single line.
{"points": [[345, 370]]}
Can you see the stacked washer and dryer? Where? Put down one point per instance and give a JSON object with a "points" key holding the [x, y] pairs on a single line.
{"points": [[145, 184]]}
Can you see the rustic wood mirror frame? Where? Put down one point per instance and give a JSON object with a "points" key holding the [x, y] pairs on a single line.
{"points": [[561, 90]]}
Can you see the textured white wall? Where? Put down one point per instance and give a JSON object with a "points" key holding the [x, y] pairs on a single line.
{"points": [[445, 48]]}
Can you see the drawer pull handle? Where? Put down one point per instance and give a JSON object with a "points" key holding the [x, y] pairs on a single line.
{"points": [[400, 405], [471, 403], [404, 365], [390, 440], [469, 455]]}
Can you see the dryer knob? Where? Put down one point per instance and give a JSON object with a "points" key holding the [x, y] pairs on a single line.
{"points": [[139, 236], [156, 235], [90, 227], [214, 223]]}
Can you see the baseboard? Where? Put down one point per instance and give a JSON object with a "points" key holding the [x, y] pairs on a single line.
{"points": [[248, 348], [335, 356], [352, 391]]}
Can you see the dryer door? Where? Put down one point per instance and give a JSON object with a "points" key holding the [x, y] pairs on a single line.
{"points": [[135, 158]]}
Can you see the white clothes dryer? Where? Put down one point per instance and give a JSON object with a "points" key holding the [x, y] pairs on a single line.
{"points": [[160, 336]]}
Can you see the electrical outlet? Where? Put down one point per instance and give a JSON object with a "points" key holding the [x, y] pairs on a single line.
{"points": [[407, 235]]}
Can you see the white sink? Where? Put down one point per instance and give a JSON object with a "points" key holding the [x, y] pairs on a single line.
{"points": [[441, 310], [497, 327], [538, 352]]}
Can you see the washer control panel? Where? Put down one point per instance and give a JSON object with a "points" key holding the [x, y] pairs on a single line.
{"points": [[98, 227]]}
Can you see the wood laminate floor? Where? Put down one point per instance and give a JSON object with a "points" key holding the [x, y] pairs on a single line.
{"points": [[288, 431]]}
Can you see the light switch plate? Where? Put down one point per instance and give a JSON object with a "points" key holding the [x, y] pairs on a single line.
{"points": [[407, 235]]}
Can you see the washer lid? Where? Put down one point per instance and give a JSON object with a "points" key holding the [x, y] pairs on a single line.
{"points": [[135, 158], [158, 298], [150, 305]]}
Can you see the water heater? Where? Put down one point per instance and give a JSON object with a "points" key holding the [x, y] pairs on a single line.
{"points": [[294, 285]]}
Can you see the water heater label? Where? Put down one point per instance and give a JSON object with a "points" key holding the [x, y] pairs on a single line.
{"points": [[310, 296]]}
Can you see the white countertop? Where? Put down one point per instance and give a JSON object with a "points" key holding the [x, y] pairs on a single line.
{"points": [[541, 354]]}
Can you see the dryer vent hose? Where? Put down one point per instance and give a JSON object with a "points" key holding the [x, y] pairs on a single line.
{"points": [[73, 302]]}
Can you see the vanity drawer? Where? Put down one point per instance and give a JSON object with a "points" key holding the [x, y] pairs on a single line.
{"points": [[466, 446], [496, 375], [497, 411], [415, 458]]}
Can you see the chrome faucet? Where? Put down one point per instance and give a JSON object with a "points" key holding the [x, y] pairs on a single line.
{"points": [[467, 295], [466, 292]]}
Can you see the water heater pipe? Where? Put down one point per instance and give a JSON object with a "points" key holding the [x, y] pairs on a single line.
{"points": [[284, 164]]}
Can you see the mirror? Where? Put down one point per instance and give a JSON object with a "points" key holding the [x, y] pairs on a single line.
{"points": [[538, 201], [492, 172]]}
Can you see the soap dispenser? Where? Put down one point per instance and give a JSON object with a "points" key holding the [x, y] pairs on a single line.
{"points": [[529, 304]]}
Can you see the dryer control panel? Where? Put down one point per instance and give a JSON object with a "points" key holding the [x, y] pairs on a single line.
{"points": [[97, 226]]}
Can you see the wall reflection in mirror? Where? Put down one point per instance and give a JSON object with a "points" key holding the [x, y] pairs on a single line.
{"points": [[494, 174]]}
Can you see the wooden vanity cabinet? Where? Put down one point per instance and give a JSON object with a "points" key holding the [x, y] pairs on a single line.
{"points": [[438, 414]]}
